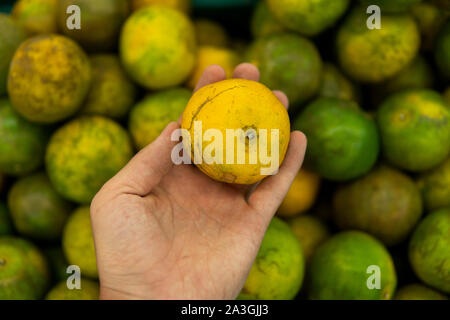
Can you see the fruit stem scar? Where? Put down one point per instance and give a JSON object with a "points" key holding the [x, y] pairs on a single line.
{"points": [[207, 101], [2, 262]]}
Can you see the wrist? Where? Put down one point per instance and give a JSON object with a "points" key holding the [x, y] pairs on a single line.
{"points": [[107, 293]]}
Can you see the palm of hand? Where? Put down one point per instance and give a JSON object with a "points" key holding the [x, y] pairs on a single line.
{"points": [[158, 237], [202, 243]]}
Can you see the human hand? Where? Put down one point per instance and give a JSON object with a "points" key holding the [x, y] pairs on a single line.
{"points": [[165, 231]]}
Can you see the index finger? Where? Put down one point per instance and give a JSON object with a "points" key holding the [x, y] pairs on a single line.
{"points": [[246, 71], [213, 73]]}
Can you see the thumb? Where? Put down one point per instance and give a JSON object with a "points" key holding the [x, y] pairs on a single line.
{"points": [[146, 169], [269, 194]]}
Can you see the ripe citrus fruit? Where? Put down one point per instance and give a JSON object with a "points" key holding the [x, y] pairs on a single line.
{"points": [[288, 62], [150, 116], [447, 96], [182, 5], [208, 55], [414, 129], [417, 75], [36, 209], [236, 104], [78, 242], [428, 250], [376, 55], [435, 186], [101, 21], [210, 33], [430, 19], [343, 142], [442, 50], [85, 153], [277, 273], [16, 131], [49, 78], [24, 271], [263, 22], [338, 269], [11, 37], [158, 47], [5, 222], [311, 232], [309, 17], [418, 291], [373, 202], [36, 16], [301, 195], [335, 85], [89, 291], [391, 5], [14, 277], [112, 93]]}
